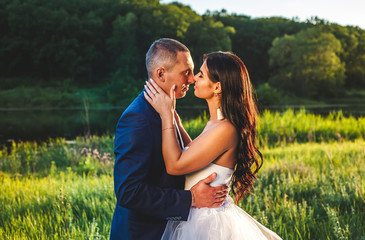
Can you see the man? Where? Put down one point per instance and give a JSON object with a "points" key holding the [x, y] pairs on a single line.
{"points": [[146, 195]]}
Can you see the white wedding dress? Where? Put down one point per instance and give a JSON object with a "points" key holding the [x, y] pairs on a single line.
{"points": [[228, 222]]}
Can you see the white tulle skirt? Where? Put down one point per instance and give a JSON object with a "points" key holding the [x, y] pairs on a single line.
{"points": [[226, 222]]}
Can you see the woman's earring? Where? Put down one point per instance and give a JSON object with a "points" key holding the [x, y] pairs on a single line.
{"points": [[219, 114], [219, 111]]}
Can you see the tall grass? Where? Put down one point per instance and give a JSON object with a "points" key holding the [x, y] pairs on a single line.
{"points": [[312, 191], [275, 128], [304, 191], [92, 155], [311, 185], [95, 154], [64, 206]]}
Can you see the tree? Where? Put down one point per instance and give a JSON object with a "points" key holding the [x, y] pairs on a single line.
{"points": [[307, 63], [123, 52], [353, 43], [207, 36], [355, 69], [254, 38]]}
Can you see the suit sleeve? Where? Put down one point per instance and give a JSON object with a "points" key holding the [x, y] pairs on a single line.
{"points": [[133, 149]]}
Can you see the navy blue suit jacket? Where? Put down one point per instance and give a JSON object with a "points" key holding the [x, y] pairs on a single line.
{"points": [[146, 195]]}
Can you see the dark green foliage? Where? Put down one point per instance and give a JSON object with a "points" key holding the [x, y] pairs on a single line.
{"points": [[268, 95], [254, 38], [208, 36], [353, 43], [54, 38], [97, 43], [92, 42], [307, 63], [37, 96]]}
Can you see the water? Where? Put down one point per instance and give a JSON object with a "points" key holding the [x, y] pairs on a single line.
{"points": [[41, 124]]}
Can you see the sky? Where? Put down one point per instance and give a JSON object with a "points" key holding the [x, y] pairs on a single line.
{"points": [[349, 12]]}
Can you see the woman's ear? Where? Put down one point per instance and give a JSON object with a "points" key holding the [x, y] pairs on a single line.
{"points": [[217, 88], [161, 74]]}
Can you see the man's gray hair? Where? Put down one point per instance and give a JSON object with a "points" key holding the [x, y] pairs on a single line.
{"points": [[163, 53]]}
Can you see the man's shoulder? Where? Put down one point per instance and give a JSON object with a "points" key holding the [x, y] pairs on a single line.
{"points": [[137, 120], [137, 106], [139, 109]]}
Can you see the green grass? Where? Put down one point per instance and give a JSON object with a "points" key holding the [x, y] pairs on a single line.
{"points": [[311, 185], [90, 156], [304, 191], [312, 191], [64, 206], [275, 128], [57, 189]]}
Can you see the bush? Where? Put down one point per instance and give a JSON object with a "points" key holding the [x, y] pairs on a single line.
{"points": [[268, 95]]}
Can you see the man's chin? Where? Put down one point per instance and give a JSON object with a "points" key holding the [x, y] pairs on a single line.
{"points": [[180, 95]]}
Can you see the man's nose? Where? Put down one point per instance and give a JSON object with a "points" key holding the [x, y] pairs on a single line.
{"points": [[191, 79]]}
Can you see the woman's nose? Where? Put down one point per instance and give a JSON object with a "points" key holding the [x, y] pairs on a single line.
{"points": [[191, 79], [195, 77]]}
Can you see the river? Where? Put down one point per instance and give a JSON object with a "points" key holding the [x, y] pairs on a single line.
{"points": [[41, 124]]}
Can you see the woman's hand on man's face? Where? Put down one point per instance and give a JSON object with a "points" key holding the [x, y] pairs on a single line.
{"points": [[159, 100]]}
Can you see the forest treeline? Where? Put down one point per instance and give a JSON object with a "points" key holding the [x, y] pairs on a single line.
{"points": [[104, 42]]}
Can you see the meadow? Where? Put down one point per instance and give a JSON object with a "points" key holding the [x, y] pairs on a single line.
{"points": [[310, 186]]}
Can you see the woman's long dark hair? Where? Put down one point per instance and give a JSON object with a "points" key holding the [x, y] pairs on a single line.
{"points": [[238, 107]]}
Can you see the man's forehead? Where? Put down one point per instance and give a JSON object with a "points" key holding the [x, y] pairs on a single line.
{"points": [[186, 59], [190, 62]]}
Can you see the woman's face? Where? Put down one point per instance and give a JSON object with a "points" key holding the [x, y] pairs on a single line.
{"points": [[204, 87]]}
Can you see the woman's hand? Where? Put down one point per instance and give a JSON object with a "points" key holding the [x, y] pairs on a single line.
{"points": [[160, 101]]}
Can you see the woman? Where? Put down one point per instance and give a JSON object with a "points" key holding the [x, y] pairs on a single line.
{"points": [[226, 146]]}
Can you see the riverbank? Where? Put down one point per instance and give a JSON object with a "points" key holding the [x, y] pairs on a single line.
{"points": [[34, 93], [288, 125]]}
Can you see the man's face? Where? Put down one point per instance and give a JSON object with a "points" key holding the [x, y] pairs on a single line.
{"points": [[181, 74]]}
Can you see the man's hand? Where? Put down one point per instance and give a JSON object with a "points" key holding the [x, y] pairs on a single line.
{"points": [[206, 196]]}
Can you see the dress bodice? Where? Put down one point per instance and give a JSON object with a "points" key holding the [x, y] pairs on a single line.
{"points": [[224, 176]]}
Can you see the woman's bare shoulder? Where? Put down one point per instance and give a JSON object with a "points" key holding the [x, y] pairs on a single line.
{"points": [[226, 125]]}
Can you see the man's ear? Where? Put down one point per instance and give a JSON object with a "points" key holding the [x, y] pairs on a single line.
{"points": [[161, 74], [217, 88]]}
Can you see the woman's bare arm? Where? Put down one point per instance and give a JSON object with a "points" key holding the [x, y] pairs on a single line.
{"points": [[203, 150], [185, 136]]}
